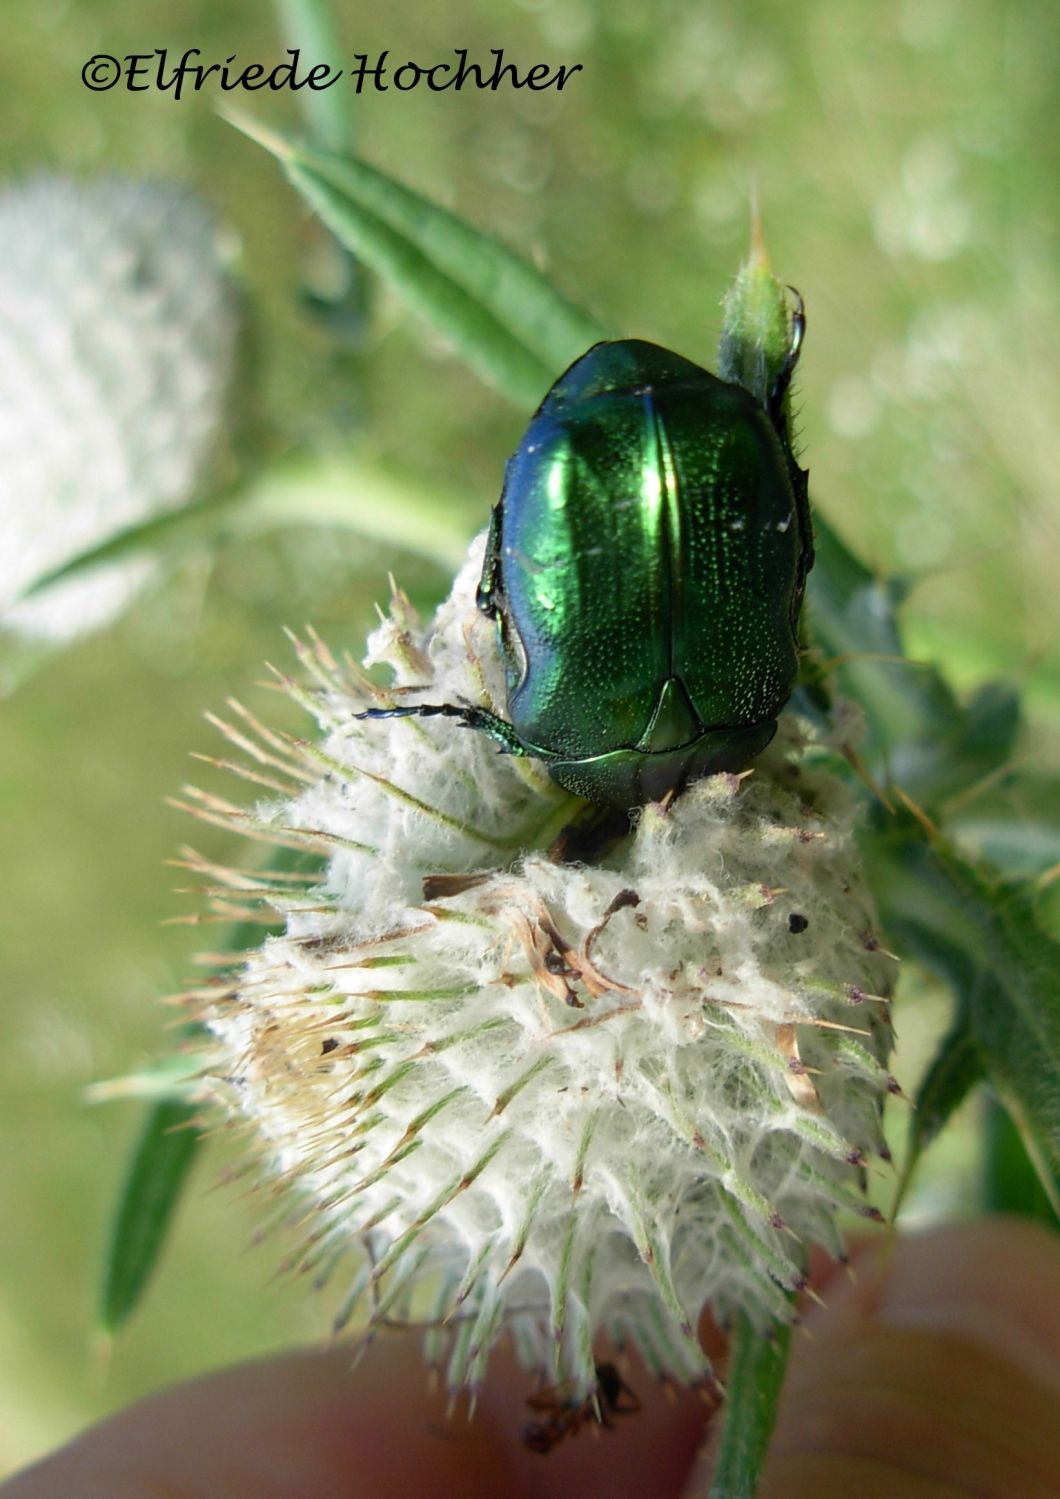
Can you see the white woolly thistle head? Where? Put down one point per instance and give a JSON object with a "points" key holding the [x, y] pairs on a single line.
{"points": [[118, 334], [555, 1101]]}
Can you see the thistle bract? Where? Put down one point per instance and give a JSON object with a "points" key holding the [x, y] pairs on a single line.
{"points": [[553, 1101]]}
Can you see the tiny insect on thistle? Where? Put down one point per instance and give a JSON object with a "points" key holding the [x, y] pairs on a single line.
{"points": [[645, 565], [559, 1414]]}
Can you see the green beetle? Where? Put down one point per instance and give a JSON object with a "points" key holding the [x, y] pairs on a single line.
{"points": [[645, 565]]}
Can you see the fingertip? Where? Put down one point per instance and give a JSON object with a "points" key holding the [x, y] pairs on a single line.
{"points": [[313, 1425], [307, 1425], [994, 1280], [934, 1370]]}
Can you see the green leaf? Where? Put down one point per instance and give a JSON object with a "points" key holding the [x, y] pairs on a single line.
{"points": [[309, 26], [163, 1158], [301, 488], [983, 939], [502, 316], [334, 288], [372, 499], [169, 1078], [920, 737], [956, 1068], [1010, 1182], [159, 536], [1015, 824], [157, 1173], [756, 1373]]}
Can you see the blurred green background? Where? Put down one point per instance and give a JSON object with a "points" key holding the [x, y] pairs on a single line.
{"points": [[905, 159]]}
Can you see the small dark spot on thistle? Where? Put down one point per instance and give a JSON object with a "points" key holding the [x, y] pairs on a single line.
{"points": [[331, 1044], [797, 923]]}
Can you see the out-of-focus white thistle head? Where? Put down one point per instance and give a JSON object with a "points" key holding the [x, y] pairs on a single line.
{"points": [[118, 332], [562, 1102]]}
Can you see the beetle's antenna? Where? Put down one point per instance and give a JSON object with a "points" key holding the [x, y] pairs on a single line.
{"points": [[469, 718]]}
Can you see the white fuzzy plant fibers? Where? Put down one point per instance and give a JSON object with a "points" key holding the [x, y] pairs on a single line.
{"points": [[559, 1099], [118, 330]]}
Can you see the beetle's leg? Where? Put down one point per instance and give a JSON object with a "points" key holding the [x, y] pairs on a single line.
{"points": [[488, 587], [496, 728], [791, 359], [800, 483], [799, 476], [591, 833]]}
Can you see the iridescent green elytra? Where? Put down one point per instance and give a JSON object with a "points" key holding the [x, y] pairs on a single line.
{"points": [[645, 564]]}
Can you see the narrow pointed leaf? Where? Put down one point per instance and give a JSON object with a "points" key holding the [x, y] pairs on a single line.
{"points": [[309, 26], [157, 1173], [158, 536], [170, 1078], [756, 1374], [955, 1070], [338, 299], [340, 490], [518, 296], [502, 316]]}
